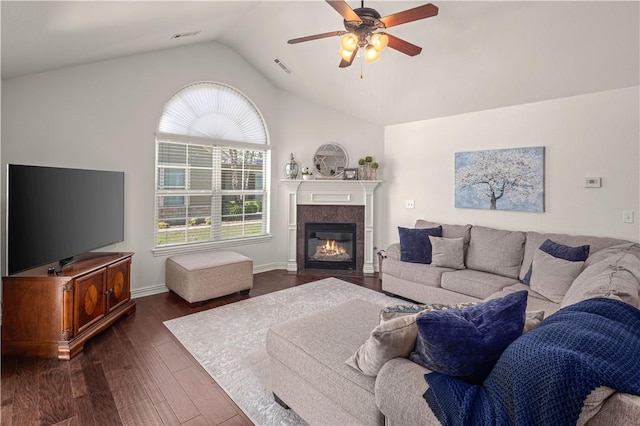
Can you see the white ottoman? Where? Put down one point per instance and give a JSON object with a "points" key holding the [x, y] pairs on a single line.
{"points": [[205, 275]]}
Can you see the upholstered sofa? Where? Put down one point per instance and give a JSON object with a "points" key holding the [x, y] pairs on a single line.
{"points": [[309, 356]]}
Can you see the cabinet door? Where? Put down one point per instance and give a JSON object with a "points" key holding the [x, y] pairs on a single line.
{"points": [[89, 299], [118, 284]]}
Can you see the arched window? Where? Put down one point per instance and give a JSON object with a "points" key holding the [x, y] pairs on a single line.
{"points": [[212, 167]]}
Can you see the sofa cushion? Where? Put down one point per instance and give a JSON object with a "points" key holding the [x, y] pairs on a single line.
{"points": [[447, 252], [535, 301], [475, 283], [615, 275], [496, 251], [467, 343], [561, 251], [449, 231], [535, 239], [415, 246], [414, 272], [552, 276]]}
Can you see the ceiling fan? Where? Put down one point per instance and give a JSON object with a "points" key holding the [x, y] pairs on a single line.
{"points": [[361, 27]]}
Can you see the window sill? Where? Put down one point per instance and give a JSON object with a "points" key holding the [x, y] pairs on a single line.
{"points": [[187, 248]]}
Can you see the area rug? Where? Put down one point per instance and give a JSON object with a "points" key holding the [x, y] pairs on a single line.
{"points": [[230, 341]]}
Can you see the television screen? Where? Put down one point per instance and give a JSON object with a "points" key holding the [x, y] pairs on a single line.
{"points": [[57, 213]]}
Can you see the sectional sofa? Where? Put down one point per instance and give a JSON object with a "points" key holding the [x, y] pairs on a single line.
{"points": [[310, 367]]}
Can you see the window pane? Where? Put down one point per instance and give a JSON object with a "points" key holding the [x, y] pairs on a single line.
{"points": [[254, 181], [200, 156], [171, 211], [172, 153], [231, 207], [171, 178], [199, 207], [200, 179]]}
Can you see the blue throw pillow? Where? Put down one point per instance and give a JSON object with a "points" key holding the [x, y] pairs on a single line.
{"points": [[560, 251], [415, 246], [467, 343]]}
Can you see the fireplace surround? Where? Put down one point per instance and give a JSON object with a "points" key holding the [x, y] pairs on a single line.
{"points": [[322, 198]]}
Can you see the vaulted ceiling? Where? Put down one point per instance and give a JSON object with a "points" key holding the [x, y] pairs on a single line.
{"points": [[476, 55]]}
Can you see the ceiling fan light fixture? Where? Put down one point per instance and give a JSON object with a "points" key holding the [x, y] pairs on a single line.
{"points": [[371, 54], [345, 54], [379, 41], [349, 42]]}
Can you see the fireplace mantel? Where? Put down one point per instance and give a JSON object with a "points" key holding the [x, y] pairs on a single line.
{"points": [[330, 192]]}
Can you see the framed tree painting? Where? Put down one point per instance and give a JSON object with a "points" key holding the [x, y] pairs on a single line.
{"points": [[500, 179]]}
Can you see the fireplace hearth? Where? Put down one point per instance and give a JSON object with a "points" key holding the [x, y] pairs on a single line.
{"points": [[330, 246]]}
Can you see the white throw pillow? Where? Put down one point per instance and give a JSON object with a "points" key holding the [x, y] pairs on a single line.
{"points": [[532, 320], [391, 339], [551, 276], [447, 252]]}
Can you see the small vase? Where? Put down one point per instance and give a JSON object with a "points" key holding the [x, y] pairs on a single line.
{"points": [[373, 175], [362, 173], [307, 177]]}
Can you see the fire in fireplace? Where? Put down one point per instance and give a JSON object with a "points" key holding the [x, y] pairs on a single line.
{"points": [[330, 246]]}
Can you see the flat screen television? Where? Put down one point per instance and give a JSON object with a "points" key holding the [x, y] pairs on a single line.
{"points": [[54, 214]]}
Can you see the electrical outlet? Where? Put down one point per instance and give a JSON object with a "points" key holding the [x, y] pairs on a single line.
{"points": [[410, 204], [627, 216]]}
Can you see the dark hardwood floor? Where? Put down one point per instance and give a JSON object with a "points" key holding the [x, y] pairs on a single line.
{"points": [[135, 372]]}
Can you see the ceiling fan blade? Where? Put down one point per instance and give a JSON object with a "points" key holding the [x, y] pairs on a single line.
{"points": [[410, 15], [316, 37], [403, 46], [344, 63], [344, 9]]}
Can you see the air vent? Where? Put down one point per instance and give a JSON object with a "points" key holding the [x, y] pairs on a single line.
{"points": [[188, 34], [282, 65]]}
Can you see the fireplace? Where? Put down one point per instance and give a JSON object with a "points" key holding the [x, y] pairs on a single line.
{"points": [[330, 201], [330, 246]]}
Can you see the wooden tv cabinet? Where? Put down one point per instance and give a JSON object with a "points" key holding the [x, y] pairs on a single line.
{"points": [[46, 315]]}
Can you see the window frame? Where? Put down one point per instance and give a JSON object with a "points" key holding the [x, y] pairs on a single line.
{"points": [[217, 194]]}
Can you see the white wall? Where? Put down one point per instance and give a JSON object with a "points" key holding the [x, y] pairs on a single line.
{"points": [[104, 116], [591, 135]]}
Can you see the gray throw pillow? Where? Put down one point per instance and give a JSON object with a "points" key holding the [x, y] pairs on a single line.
{"points": [[496, 251], [447, 252], [552, 276]]}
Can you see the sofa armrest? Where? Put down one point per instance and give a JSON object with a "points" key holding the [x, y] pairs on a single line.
{"points": [[619, 409], [400, 385], [393, 251]]}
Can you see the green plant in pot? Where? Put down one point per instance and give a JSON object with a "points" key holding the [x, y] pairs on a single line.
{"points": [[374, 170]]}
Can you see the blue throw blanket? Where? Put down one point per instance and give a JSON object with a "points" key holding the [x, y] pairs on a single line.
{"points": [[544, 376]]}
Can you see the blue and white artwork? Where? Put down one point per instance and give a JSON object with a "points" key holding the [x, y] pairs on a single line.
{"points": [[501, 179]]}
